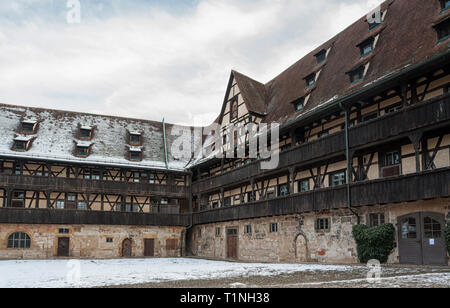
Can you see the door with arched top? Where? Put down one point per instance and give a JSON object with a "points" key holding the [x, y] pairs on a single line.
{"points": [[421, 239], [126, 248]]}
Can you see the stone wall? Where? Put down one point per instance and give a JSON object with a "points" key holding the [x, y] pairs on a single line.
{"points": [[89, 241], [297, 239]]}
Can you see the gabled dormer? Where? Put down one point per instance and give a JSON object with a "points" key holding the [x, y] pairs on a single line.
{"points": [[134, 138], [28, 127], [85, 132], [22, 143]]}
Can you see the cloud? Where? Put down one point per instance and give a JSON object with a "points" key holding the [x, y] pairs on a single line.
{"points": [[156, 62]]}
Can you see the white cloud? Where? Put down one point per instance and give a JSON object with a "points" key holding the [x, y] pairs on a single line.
{"points": [[156, 64]]}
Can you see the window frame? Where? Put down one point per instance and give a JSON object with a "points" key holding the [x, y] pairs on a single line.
{"points": [[340, 172], [234, 109], [25, 242], [310, 80], [376, 219], [300, 186], [357, 75], [323, 224], [364, 45], [321, 56], [273, 228]]}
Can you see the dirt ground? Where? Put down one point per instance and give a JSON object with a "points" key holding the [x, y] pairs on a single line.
{"points": [[393, 276]]}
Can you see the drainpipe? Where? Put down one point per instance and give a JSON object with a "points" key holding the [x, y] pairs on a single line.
{"points": [[165, 144], [349, 163], [184, 233]]}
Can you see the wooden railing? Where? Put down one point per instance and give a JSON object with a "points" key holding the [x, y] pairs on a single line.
{"points": [[432, 113], [64, 217], [419, 186], [21, 182]]}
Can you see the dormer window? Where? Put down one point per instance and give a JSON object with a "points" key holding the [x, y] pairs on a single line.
{"points": [[366, 47], [310, 80], [135, 154], [86, 132], [82, 151], [135, 138], [20, 145], [443, 30], [299, 104], [28, 126], [321, 56], [445, 4], [357, 74]]}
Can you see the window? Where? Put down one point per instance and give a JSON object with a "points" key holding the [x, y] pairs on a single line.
{"points": [[135, 139], [71, 197], [82, 151], [234, 109], [96, 175], [109, 240], [337, 179], [409, 228], [273, 228], [248, 229], [215, 205], [322, 224], [370, 116], [356, 75], [82, 206], [376, 220], [227, 201], [443, 30], [323, 133], [432, 228], [392, 159], [164, 201], [18, 199], [445, 4], [218, 232], [250, 197], [63, 231], [17, 169], [310, 80], [28, 127], [299, 104], [394, 108], [135, 156], [321, 56], [85, 133], [366, 47], [60, 205], [20, 145], [303, 186], [19, 240], [283, 190], [224, 139]]}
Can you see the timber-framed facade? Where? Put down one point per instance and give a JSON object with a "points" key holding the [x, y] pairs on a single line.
{"points": [[364, 138]]}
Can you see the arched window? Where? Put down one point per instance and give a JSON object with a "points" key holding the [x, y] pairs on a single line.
{"points": [[19, 240]]}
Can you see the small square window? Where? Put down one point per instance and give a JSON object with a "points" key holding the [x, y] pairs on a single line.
{"points": [[227, 201], [322, 224], [310, 80], [283, 190], [135, 156], [250, 197], [83, 151], [135, 139], [273, 228], [248, 229], [299, 104], [63, 231], [82, 206], [376, 220], [60, 205], [85, 133], [392, 159], [443, 30], [304, 186], [71, 197], [28, 127], [218, 231], [20, 145], [18, 195], [356, 75], [366, 47], [109, 240], [337, 179], [321, 56]]}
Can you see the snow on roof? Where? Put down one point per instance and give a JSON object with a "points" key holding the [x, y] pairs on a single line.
{"points": [[29, 121], [57, 131], [135, 133], [84, 144], [135, 149], [85, 127], [23, 138]]}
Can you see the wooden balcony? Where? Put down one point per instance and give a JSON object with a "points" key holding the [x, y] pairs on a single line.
{"points": [[407, 188], [424, 116], [65, 217], [20, 182]]}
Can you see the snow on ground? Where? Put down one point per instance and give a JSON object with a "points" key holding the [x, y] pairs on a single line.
{"points": [[95, 273]]}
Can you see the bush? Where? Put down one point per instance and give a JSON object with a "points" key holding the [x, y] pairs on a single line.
{"points": [[447, 237], [374, 243]]}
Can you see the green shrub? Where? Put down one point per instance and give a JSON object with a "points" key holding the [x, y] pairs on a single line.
{"points": [[374, 243], [447, 237]]}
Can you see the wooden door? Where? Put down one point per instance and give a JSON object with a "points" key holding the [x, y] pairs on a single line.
{"points": [[232, 243], [421, 239], [63, 246], [126, 248], [149, 248], [434, 248]]}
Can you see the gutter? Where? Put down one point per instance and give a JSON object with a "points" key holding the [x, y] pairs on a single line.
{"points": [[349, 162], [165, 144]]}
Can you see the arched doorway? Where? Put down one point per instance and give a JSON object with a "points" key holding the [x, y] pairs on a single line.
{"points": [[301, 248], [421, 239], [126, 248]]}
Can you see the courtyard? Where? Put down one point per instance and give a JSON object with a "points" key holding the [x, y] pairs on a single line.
{"points": [[198, 273]]}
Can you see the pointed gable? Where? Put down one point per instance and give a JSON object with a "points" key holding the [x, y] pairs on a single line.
{"points": [[253, 93]]}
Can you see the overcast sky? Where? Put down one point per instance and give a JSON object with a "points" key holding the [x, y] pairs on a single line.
{"points": [[151, 59]]}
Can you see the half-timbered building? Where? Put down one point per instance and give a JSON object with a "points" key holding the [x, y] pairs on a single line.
{"points": [[364, 139]]}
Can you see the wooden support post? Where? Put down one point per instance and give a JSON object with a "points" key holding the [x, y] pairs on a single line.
{"points": [[291, 180], [416, 140]]}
